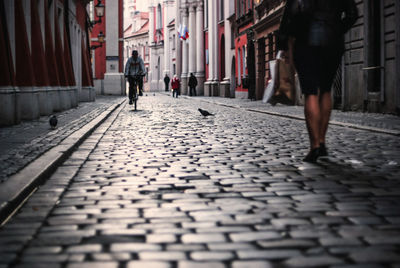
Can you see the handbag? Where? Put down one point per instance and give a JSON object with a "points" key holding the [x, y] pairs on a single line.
{"points": [[284, 82]]}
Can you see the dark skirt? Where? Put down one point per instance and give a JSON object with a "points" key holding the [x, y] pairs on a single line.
{"points": [[316, 67]]}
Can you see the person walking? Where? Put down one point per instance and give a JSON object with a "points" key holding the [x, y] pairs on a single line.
{"points": [[314, 31], [176, 85], [134, 71], [192, 85], [166, 82]]}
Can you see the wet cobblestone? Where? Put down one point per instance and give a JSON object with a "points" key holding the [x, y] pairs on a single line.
{"points": [[21, 144], [165, 187]]}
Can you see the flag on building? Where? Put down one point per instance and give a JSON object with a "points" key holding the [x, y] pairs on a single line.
{"points": [[183, 32]]}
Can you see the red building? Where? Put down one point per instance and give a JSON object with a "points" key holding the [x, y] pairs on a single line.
{"points": [[244, 49], [45, 58]]}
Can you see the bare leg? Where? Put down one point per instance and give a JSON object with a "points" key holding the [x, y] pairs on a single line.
{"points": [[313, 119], [325, 106]]}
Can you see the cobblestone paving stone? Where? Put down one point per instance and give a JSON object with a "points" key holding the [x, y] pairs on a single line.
{"points": [[377, 120], [21, 144], [165, 187]]}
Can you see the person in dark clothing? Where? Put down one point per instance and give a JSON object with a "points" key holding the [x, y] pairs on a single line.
{"points": [[315, 35], [134, 71], [166, 82], [192, 85]]}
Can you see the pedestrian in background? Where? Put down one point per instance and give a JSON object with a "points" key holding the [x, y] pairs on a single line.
{"points": [[315, 30], [166, 82], [192, 85], [176, 85]]}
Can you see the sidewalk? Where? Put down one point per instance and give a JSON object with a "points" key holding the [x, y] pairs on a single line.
{"points": [[20, 144], [32, 149], [382, 123]]}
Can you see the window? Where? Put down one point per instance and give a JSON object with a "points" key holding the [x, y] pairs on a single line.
{"points": [[221, 10], [206, 14], [239, 67], [159, 17], [232, 37], [173, 42], [244, 61]]}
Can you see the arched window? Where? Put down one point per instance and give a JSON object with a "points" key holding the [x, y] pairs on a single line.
{"points": [[244, 61], [205, 14], [159, 17], [222, 58], [239, 66], [159, 69]]}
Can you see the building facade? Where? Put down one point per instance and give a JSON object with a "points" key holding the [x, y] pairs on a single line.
{"points": [[108, 59], [369, 75], [136, 37], [161, 17], [190, 53], [45, 58], [236, 40]]}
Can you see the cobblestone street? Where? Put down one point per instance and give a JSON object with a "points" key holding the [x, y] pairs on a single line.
{"points": [[165, 187]]}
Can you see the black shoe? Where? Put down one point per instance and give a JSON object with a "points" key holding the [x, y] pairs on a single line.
{"points": [[323, 150], [130, 102], [312, 156], [140, 93]]}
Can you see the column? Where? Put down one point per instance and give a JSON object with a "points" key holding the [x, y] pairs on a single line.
{"points": [[9, 108], [192, 39], [113, 79], [151, 41], [200, 48], [151, 24], [225, 84], [177, 41], [212, 82], [185, 54], [167, 51]]}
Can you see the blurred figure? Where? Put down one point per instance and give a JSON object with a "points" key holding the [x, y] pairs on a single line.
{"points": [[192, 85], [166, 82], [176, 85]]}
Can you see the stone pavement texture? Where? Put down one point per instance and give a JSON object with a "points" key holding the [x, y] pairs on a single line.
{"points": [[372, 121], [20, 144], [165, 187]]}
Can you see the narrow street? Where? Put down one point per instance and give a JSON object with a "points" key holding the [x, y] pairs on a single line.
{"points": [[166, 187]]}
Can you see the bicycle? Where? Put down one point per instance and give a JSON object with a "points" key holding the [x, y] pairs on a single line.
{"points": [[134, 81]]}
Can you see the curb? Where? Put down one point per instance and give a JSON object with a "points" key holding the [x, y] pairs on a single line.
{"points": [[22, 184]]}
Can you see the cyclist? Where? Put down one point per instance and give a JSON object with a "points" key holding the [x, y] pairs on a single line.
{"points": [[134, 71]]}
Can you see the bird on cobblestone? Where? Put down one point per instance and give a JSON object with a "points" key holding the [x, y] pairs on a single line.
{"points": [[53, 121], [204, 112]]}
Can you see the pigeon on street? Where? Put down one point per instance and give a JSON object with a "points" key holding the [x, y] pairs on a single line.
{"points": [[204, 112], [53, 121]]}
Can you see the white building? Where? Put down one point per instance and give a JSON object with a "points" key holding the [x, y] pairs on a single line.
{"points": [[136, 37], [191, 53], [161, 33]]}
